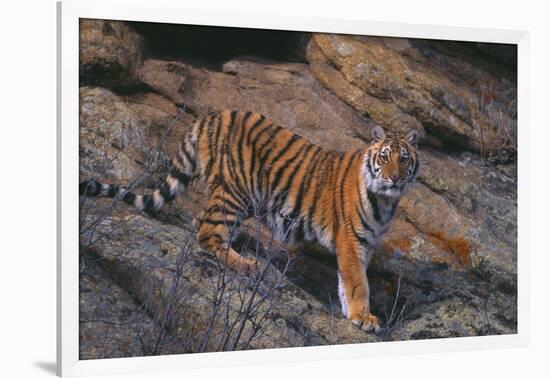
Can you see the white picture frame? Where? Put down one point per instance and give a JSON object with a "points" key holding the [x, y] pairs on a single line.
{"points": [[69, 12]]}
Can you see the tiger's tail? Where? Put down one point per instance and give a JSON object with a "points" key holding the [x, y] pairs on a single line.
{"points": [[183, 170]]}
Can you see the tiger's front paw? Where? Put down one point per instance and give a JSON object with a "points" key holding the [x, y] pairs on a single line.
{"points": [[367, 322]]}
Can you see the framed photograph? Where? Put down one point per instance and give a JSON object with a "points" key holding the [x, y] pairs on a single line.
{"points": [[285, 188]]}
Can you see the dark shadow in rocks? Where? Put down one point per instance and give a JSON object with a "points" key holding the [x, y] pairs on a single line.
{"points": [[214, 45]]}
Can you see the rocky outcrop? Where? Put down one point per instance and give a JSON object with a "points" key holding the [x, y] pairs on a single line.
{"points": [[164, 269], [446, 268], [402, 83], [111, 321], [110, 53], [288, 92]]}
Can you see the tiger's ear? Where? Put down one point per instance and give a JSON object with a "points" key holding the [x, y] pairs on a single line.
{"points": [[412, 138], [378, 133]]}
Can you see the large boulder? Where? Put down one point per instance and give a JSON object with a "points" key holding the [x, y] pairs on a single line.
{"points": [[111, 322], [402, 83], [123, 138], [111, 54], [285, 92]]}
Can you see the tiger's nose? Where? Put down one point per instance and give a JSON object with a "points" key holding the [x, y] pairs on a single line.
{"points": [[394, 177]]}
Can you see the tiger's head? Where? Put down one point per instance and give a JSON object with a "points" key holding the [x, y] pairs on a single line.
{"points": [[391, 163]]}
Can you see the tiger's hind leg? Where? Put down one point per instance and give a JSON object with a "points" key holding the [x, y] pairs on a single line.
{"points": [[218, 225]]}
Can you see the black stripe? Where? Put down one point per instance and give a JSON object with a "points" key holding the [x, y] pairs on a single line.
{"points": [[112, 191], [369, 163], [202, 127], [360, 209], [282, 152], [89, 188], [240, 145], [283, 193], [235, 193], [289, 144], [148, 204], [258, 153], [230, 166], [233, 117], [374, 205], [129, 198], [336, 220], [217, 145], [343, 183], [267, 128], [210, 130], [279, 173], [233, 165], [306, 182], [293, 138], [229, 203], [299, 233], [267, 147], [320, 184], [363, 220], [235, 179], [180, 176], [211, 152], [165, 192], [272, 136], [254, 154], [219, 128], [361, 239], [305, 185], [254, 126], [392, 210], [417, 163]]}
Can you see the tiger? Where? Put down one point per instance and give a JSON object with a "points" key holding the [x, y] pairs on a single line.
{"points": [[341, 200]]}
